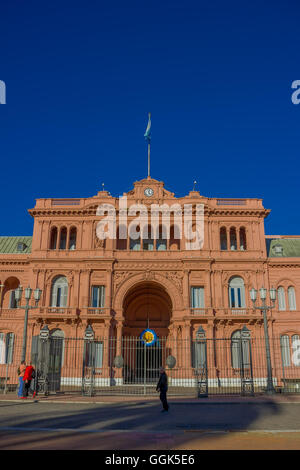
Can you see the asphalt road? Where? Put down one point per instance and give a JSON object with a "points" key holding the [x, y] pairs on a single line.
{"points": [[37, 425]]}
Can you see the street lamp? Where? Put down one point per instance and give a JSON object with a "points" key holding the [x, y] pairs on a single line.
{"points": [[263, 296], [18, 295]]}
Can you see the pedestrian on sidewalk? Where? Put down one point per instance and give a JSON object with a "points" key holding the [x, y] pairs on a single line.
{"points": [[162, 387], [28, 376], [21, 372]]}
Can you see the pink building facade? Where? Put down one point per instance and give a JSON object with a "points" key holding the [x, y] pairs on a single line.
{"points": [[121, 286]]}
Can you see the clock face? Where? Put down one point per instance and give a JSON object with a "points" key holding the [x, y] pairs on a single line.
{"points": [[148, 192]]}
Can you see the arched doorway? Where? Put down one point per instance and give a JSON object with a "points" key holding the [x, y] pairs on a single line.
{"points": [[146, 306]]}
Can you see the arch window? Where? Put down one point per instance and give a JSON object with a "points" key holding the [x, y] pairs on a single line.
{"points": [[59, 294], [243, 243], [6, 348], [53, 238], [63, 239], [240, 354], [292, 298], [233, 240], [73, 236], [237, 293], [223, 238], [281, 299], [135, 243]]}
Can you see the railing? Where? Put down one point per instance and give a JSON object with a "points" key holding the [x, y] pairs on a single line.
{"points": [[231, 202], [240, 311], [198, 311], [94, 311], [58, 310]]}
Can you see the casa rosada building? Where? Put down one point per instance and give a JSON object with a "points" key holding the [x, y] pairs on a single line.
{"points": [[121, 286]]}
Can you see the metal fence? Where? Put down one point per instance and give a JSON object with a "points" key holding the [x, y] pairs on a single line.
{"points": [[199, 367]]}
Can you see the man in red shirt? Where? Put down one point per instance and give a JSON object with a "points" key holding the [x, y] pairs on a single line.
{"points": [[28, 376]]}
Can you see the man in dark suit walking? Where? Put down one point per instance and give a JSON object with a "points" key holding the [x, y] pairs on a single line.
{"points": [[162, 387]]}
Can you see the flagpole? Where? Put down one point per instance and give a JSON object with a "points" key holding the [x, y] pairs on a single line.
{"points": [[148, 158]]}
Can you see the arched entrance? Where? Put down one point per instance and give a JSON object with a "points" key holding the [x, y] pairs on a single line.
{"points": [[147, 305]]}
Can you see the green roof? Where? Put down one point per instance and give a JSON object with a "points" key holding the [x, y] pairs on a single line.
{"points": [[10, 245], [283, 247]]}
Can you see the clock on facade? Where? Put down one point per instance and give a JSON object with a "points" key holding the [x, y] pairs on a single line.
{"points": [[148, 192]]}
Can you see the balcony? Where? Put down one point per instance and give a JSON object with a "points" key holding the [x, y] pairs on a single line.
{"points": [[54, 312], [200, 312], [94, 312]]}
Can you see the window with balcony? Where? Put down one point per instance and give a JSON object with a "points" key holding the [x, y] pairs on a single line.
{"points": [[197, 297], [237, 293], [98, 296], [59, 292]]}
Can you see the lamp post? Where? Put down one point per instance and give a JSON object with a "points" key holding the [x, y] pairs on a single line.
{"points": [[18, 295], [263, 296]]}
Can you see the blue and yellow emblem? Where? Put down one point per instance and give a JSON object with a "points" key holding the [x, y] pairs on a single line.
{"points": [[148, 337]]}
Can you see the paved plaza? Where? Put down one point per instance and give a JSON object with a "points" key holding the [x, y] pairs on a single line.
{"points": [[131, 423]]}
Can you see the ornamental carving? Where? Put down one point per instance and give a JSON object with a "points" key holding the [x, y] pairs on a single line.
{"points": [[120, 276], [99, 243], [176, 278]]}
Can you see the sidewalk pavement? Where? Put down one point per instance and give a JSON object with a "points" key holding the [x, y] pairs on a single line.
{"points": [[102, 399]]}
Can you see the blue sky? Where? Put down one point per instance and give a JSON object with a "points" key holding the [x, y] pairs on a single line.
{"points": [[81, 78]]}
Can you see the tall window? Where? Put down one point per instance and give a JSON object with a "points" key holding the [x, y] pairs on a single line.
{"points": [[59, 294], [161, 242], [63, 239], [148, 242], [98, 296], [292, 298], [53, 238], [281, 299], [236, 293], [233, 241], [197, 297], [223, 238], [121, 241], [12, 300], [174, 237], [72, 241], [6, 348], [240, 354], [135, 244], [243, 244], [57, 348]]}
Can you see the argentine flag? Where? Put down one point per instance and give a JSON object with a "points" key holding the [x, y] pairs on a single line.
{"points": [[147, 134]]}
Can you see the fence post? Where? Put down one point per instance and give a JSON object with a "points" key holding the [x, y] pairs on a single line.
{"points": [[42, 381], [247, 387], [88, 362], [201, 363]]}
